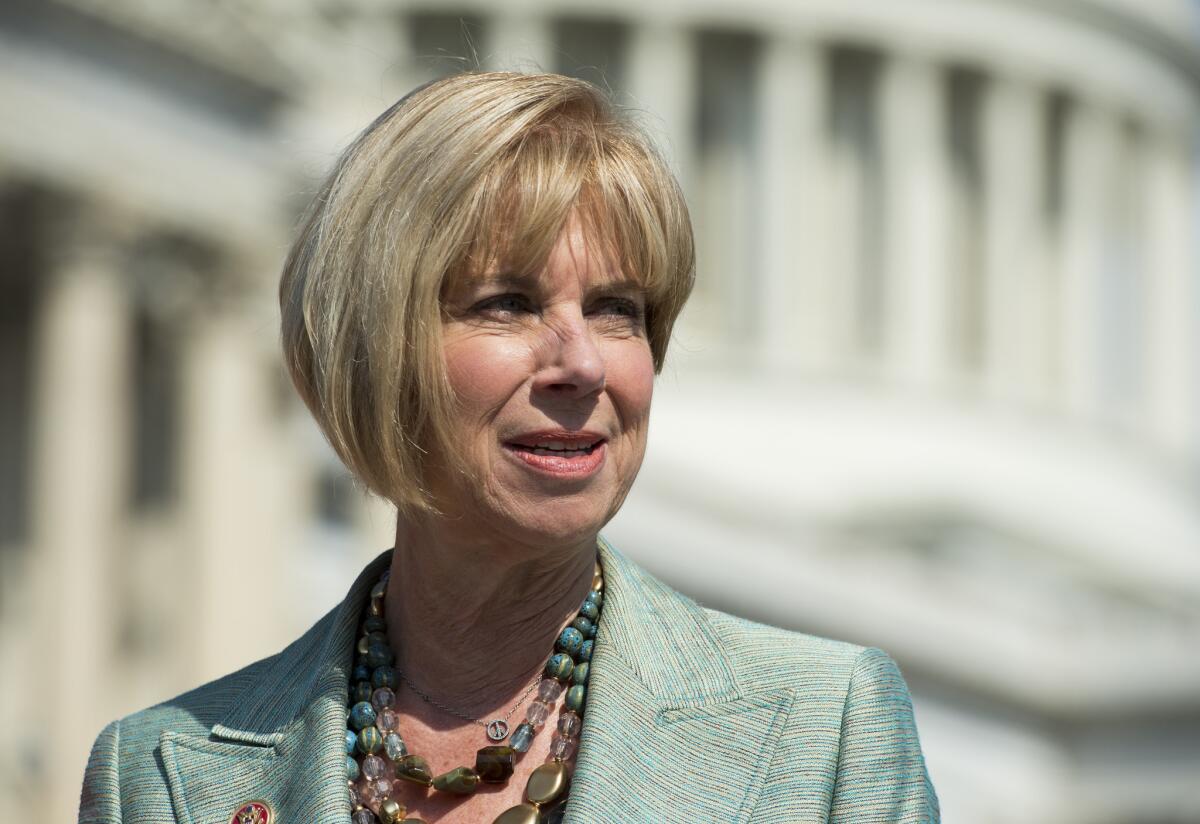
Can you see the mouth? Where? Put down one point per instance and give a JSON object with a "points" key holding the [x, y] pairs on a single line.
{"points": [[562, 454]]}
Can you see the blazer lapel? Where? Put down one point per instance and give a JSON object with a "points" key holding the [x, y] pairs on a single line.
{"points": [[282, 741], [669, 735]]}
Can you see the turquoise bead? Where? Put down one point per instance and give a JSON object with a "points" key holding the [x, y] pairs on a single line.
{"points": [[574, 699], [589, 611], [585, 651], [580, 673], [370, 740], [591, 633], [362, 715], [583, 625], [570, 641], [384, 677], [361, 692], [596, 597], [361, 673], [559, 666], [351, 768], [378, 654], [522, 737], [351, 742]]}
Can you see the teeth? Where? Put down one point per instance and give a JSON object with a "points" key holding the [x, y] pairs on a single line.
{"points": [[563, 446]]}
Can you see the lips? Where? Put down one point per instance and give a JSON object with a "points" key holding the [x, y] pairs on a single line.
{"points": [[561, 454]]}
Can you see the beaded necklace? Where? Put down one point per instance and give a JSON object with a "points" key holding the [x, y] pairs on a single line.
{"points": [[376, 756]]}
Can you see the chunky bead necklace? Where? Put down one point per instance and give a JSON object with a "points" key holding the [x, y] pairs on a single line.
{"points": [[376, 756]]}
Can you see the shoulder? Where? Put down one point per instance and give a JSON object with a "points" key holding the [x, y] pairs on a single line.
{"points": [[765, 653], [126, 758], [849, 701]]}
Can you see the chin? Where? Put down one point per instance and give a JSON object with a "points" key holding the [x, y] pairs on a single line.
{"points": [[560, 521]]}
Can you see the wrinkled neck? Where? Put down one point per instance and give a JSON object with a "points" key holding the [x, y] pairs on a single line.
{"points": [[472, 620]]}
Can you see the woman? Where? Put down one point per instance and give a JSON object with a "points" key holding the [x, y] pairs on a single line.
{"points": [[474, 313]]}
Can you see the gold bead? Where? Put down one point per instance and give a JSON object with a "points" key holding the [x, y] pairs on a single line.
{"points": [[362, 645], [391, 811], [597, 582], [376, 607], [520, 814], [547, 782]]}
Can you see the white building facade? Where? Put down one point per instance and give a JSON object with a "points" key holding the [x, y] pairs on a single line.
{"points": [[938, 389]]}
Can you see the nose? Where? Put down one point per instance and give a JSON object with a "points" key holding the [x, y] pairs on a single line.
{"points": [[574, 366]]}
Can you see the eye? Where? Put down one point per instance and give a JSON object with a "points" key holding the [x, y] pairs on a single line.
{"points": [[510, 303], [619, 307]]}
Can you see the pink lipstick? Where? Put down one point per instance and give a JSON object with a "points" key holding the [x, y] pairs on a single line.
{"points": [[559, 453]]}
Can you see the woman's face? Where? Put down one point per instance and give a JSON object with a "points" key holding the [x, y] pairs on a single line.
{"points": [[553, 375]]}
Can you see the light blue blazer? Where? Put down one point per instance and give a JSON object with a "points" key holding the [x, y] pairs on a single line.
{"points": [[692, 716]]}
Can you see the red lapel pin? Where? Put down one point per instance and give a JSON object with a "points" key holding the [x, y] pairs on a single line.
{"points": [[253, 812]]}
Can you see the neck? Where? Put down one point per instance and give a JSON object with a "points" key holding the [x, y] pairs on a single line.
{"points": [[473, 619]]}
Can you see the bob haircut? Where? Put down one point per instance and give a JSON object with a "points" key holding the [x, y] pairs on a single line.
{"points": [[474, 170]]}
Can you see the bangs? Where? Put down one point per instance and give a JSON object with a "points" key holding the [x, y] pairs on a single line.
{"points": [[556, 171]]}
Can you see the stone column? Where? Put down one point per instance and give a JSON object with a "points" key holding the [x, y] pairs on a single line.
{"points": [[1172, 321], [233, 514], [81, 478], [662, 82], [1018, 295], [801, 313], [519, 39], [1090, 156], [915, 260]]}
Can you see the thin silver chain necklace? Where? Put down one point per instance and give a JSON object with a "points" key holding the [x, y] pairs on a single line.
{"points": [[497, 728]]}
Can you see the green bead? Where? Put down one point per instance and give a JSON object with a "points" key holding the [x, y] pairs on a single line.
{"points": [[370, 740], [559, 666], [374, 623], [495, 765], [362, 691], [580, 673], [575, 697], [414, 768], [584, 625], [460, 781]]}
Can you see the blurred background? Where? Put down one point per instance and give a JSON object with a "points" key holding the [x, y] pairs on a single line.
{"points": [[938, 390]]}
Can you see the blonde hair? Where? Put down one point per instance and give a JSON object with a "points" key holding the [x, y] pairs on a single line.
{"points": [[470, 169]]}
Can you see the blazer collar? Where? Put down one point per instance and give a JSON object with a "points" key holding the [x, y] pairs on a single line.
{"points": [[665, 713], [670, 733]]}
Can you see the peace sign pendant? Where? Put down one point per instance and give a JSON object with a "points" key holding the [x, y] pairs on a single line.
{"points": [[497, 730]]}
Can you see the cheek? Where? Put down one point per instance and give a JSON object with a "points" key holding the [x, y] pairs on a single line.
{"points": [[484, 372], [631, 383]]}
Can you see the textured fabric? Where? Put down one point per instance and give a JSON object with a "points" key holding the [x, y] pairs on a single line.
{"points": [[692, 715]]}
